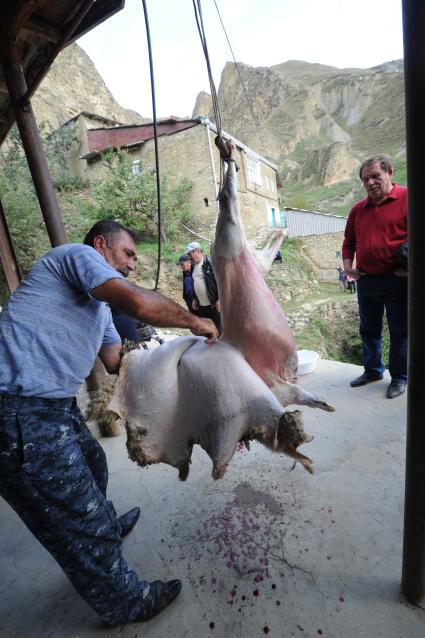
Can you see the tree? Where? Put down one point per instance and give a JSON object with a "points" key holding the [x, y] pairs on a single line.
{"points": [[20, 203], [56, 145], [131, 196]]}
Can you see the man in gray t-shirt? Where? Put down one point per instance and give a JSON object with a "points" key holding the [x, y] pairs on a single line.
{"points": [[52, 471]]}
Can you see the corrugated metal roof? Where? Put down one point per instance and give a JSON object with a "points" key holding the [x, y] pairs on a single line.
{"points": [[302, 223], [102, 139]]}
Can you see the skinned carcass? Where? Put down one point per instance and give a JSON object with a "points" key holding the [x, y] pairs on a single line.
{"points": [[253, 321], [186, 392]]}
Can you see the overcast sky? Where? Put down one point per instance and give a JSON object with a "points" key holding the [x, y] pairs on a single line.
{"points": [[341, 33]]}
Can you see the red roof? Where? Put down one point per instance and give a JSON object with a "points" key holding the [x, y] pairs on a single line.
{"points": [[102, 139]]}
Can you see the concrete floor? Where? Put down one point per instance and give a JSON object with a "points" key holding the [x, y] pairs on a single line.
{"points": [[264, 551]]}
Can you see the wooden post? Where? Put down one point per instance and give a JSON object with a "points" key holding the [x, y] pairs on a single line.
{"points": [[31, 141], [413, 577], [7, 255]]}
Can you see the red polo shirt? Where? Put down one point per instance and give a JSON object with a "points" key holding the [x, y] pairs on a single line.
{"points": [[374, 232]]}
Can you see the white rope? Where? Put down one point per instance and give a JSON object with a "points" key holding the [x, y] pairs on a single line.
{"points": [[196, 234]]}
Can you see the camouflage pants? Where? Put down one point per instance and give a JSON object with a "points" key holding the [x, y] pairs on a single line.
{"points": [[54, 475]]}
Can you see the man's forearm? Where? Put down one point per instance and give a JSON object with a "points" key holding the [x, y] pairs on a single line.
{"points": [[146, 305], [152, 307]]}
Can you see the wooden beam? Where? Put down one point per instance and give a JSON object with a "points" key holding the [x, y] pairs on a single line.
{"points": [[14, 15], [98, 13], [413, 576], [41, 27], [31, 142], [68, 32], [7, 255]]}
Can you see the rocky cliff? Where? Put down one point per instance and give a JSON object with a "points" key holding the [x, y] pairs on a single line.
{"points": [[316, 122], [73, 85]]}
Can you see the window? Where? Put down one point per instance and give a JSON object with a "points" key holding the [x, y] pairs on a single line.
{"points": [[137, 167], [254, 172], [206, 201]]}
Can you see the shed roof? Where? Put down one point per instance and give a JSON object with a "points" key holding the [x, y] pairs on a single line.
{"points": [[39, 30], [103, 138]]}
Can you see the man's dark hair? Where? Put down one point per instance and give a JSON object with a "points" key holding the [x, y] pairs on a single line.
{"points": [[109, 229], [385, 162]]}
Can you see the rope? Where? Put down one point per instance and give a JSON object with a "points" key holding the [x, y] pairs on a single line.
{"points": [[219, 141], [195, 233], [200, 24], [155, 135], [249, 102]]}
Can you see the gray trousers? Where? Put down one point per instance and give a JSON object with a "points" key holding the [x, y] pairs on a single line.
{"points": [[54, 475]]}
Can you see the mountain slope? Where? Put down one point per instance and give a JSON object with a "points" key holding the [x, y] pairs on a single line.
{"points": [[316, 122], [73, 85]]}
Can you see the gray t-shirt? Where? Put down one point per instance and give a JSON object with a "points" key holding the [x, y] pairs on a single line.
{"points": [[52, 328]]}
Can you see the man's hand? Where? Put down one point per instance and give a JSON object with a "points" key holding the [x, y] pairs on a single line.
{"points": [[354, 273], [401, 272], [204, 328], [195, 304]]}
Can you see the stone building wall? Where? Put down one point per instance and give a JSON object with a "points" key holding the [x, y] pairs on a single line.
{"points": [[188, 154]]}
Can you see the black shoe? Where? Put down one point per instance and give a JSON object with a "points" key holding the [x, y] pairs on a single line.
{"points": [[159, 596], [395, 389], [128, 521], [363, 379]]}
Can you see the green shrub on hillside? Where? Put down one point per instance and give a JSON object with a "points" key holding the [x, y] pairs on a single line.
{"points": [[132, 197], [20, 203]]}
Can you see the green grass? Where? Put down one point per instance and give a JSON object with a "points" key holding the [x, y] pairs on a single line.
{"points": [[319, 334]]}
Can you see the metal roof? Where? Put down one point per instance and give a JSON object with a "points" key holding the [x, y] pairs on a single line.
{"points": [[38, 30], [302, 223], [104, 138]]}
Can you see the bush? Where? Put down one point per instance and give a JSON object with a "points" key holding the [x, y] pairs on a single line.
{"points": [[20, 203], [132, 197]]}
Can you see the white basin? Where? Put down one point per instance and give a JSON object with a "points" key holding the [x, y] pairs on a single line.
{"points": [[307, 361]]}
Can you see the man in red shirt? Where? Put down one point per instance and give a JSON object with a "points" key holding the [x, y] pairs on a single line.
{"points": [[376, 228]]}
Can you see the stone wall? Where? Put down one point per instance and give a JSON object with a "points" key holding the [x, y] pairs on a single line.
{"points": [[330, 311], [324, 251]]}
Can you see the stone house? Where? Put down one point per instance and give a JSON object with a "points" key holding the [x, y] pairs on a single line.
{"points": [[186, 149]]}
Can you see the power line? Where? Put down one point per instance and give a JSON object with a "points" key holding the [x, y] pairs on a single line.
{"points": [[155, 135]]}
